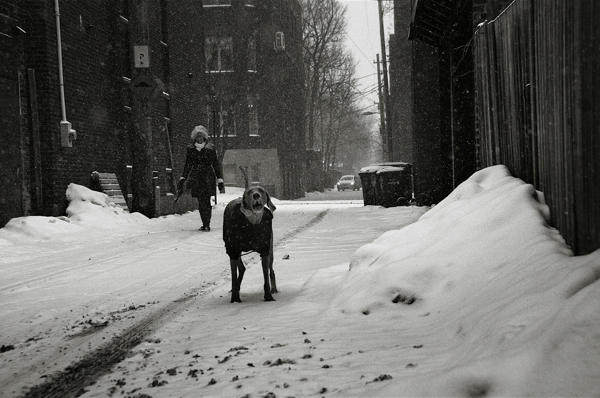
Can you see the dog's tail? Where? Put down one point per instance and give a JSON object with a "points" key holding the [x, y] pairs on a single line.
{"points": [[245, 177]]}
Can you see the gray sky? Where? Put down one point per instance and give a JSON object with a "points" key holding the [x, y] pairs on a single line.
{"points": [[364, 41]]}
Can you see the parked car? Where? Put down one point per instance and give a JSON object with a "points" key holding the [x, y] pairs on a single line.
{"points": [[348, 182]]}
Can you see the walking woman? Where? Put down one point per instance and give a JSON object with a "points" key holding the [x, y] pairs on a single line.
{"points": [[199, 173]]}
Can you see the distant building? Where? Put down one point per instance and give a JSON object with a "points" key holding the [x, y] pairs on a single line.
{"points": [[254, 90], [128, 107]]}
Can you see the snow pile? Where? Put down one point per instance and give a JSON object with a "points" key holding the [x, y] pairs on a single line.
{"points": [[95, 209], [35, 229], [495, 294], [87, 210]]}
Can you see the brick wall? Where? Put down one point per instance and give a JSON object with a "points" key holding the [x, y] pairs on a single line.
{"points": [[186, 84], [97, 64], [92, 86]]}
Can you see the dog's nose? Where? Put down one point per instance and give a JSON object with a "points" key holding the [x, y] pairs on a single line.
{"points": [[256, 196]]}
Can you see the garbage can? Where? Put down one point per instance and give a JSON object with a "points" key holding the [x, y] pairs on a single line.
{"points": [[367, 180], [394, 185]]}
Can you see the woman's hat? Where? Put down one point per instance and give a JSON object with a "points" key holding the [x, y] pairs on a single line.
{"points": [[199, 130]]}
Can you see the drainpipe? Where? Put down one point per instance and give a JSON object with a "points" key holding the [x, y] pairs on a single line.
{"points": [[67, 134]]}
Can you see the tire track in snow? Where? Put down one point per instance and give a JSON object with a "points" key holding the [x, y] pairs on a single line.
{"points": [[71, 382]]}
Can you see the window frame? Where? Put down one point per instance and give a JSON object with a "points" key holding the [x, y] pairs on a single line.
{"points": [[226, 3], [217, 46]]}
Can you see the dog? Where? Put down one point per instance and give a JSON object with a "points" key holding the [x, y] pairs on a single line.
{"points": [[247, 226]]}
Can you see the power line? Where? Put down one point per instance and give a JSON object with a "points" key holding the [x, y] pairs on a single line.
{"points": [[358, 48], [362, 77]]}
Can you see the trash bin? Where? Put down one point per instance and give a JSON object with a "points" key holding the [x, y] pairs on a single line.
{"points": [[394, 186], [367, 180], [387, 184]]}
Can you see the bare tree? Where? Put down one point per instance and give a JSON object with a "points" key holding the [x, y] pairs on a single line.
{"points": [[324, 26], [339, 108]]}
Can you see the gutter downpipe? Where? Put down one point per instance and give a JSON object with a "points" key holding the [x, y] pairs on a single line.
{"points": [[67, 134]]}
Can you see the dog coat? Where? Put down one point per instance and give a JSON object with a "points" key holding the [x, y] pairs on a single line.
{"points": [[242, 236]]}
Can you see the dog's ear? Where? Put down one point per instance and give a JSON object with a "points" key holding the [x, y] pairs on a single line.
{"points": [[269, 203], [246, 201]]}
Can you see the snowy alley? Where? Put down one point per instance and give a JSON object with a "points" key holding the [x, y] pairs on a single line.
{"points": [[474, 297]]}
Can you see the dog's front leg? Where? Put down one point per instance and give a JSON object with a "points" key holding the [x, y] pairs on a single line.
{"points": [[266, 266], [272, 274], [236, 280]]}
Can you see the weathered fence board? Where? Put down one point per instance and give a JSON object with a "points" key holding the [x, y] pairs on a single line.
{"points": [[536, 78]]}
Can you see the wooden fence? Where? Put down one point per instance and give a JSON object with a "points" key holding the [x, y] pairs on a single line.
{"points": [[537, 69]]}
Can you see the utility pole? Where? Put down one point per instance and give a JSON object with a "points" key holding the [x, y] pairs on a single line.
{"points": [[143, 86], [382, 124], [386, 94]]}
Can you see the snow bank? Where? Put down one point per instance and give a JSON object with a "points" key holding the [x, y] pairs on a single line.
{"points": [[89, 211], [496, 292], [35, 229], [86, 211], [95, 209]]}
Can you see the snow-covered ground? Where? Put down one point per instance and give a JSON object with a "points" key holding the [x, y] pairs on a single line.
{"points": [[474, 297]]}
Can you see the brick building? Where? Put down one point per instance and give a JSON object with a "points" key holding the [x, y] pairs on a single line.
{"points": [[43, 161], [254, 91], [122, 115]]}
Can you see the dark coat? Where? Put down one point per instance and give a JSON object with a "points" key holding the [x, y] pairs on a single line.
{"points": [[242, 236], [201, 170]]}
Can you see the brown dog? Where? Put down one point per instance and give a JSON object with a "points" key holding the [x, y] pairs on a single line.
{"points": [[247, 226]]}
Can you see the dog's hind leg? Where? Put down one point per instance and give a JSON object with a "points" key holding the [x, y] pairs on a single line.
{"points": [[236, 278]]}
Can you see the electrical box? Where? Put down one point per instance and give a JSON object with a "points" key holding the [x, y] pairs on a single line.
{"points": [[141, 56], [279, 41], [67, 134]]}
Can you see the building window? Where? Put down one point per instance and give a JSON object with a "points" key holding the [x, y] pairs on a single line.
{"points": [[219, 53], [216, 3], [252, 116], [252, 53], [221, 118]]}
